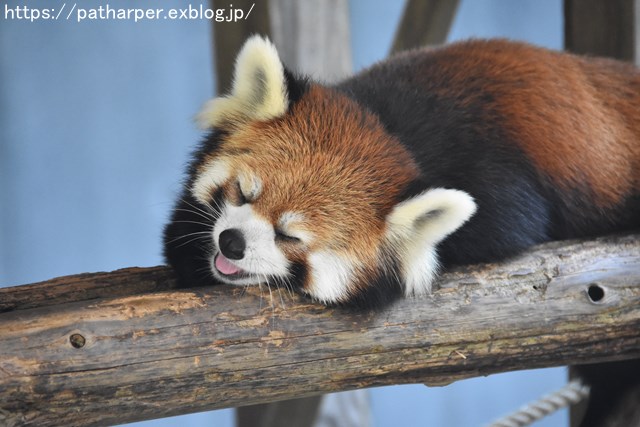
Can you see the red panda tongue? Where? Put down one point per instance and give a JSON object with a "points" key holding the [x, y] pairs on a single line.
{"points": [[225, 266]]}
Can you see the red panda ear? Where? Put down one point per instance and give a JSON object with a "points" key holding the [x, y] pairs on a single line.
{"points": [[416, 225], [259, 90]]}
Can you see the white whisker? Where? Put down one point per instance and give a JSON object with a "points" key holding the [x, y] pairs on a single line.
{"points": [[202, 211], [182, 221], [205, 215], [188, 235], [191, 240]]}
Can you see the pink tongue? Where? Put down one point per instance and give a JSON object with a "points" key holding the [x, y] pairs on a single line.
{"points": [[225, 266]]}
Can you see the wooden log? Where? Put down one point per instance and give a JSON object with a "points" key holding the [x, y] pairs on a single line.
{"points": [[84, 287], [133, 357]]}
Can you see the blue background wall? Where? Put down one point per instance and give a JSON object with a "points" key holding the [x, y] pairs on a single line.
{"points": [[95, 127]]}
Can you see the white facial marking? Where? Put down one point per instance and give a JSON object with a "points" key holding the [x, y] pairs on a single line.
{"points": [[212, 176], [289, 223], [287, 218], [415, 226], [331, 275], [250, 185], [262, 258]]}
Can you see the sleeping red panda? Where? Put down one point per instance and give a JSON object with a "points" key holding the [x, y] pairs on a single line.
{"points": [[361, 191]]}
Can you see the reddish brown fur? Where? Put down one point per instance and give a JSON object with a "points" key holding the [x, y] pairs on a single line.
{"points": [[572, 170], [575, 117], [344, 206]]}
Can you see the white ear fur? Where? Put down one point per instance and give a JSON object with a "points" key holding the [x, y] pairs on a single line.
{"points": [[259, 89], [415, 226]]}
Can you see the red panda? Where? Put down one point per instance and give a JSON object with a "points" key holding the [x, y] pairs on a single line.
{"points": [[361, 191]]}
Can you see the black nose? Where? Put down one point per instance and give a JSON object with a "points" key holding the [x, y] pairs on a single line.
{"points": [[232, 244]]}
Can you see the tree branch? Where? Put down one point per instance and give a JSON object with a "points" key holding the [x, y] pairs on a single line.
{"points": [[116, 353]]}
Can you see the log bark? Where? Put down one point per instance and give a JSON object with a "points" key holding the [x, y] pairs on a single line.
{"points": [[139, 356], [88, 286]]}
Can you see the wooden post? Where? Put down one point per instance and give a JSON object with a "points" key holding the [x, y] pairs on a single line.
{"points": [[313, 37], [424, 23], [107, 361], [603, 28], [229, 36]]}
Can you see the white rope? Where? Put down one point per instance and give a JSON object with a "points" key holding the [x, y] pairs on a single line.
{"points": [[572, 393]]}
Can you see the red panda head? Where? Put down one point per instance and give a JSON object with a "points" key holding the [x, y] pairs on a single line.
{"points": [[313, 192]]}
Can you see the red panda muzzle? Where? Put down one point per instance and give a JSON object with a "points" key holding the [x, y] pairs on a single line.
{"points": [[232, 244]]}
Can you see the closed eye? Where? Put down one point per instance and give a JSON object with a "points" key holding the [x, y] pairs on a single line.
{"points": [[242, 199], [286, 238]]}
